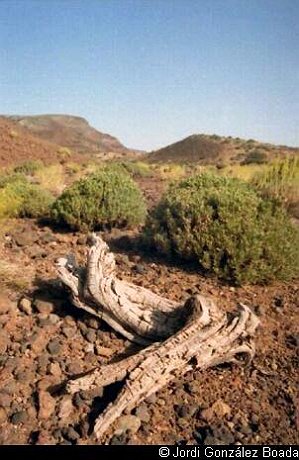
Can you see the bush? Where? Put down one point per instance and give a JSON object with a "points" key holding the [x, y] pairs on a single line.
{"points": [[256, 156], [108, 197], [137, 168], [28, 167], [20, 198], [227, 227], [281, 181]]}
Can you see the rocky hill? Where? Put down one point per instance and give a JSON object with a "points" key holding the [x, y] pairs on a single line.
{"points": [[72, 132], [17, 145], [213, 149]]}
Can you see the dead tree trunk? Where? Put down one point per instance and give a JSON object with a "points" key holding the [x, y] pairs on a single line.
{"points": [[177, 338]]}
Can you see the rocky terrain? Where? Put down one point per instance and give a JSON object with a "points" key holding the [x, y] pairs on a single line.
{"points": [[17, 145], [74, 133], [44, 341], [221, 151]]}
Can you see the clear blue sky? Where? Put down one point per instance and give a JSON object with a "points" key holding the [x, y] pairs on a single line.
{"points": [[154, 71]]}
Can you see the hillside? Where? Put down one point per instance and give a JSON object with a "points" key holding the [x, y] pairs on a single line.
{"points": [[216, 150], [72, 132], [18, 145]]}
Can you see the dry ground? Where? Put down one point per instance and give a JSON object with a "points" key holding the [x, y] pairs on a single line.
{"points": [[46, 340]]}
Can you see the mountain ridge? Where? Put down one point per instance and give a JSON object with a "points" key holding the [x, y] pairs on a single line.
{"points": [[219, 150], [73, 132]]}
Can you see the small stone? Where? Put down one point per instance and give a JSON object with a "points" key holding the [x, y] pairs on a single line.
{"points": [[3, 415], [54, 347], [25, 306], [45, 438], [54, 319], [25, 238], [91, 336], [127, 423], [43, 360], [69, 320], [140, 269], [255, 419], [4, 339], [245, 429], [44, 306], [186, 410], [54, 369], [69, 332], [89, 349], [19, 417], [142, 413], [71, 434], [48, 238], [46, 405], [74, 368], [24, 376], [118, 440], [78, 401], [218, 410], [5, 399], [182, 422], [42, 321], [92, 323], [65, 407], [103, 351], [83, 328]]}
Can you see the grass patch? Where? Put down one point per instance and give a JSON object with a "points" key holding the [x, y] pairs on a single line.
{"points": [[51, 178]]}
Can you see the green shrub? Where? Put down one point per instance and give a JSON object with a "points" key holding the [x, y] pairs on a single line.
{"points": [[256, 156], [28, 167], [137, 168], [108, 197], [227, 227], [7, 179], [281, 181], [20, 198]]}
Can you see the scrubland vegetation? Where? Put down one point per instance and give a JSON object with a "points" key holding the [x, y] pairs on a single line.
{"points": [[227, 227], [107, 198], [233, 221]]}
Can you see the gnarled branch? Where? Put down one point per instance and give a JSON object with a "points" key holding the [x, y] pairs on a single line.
{"points": [[178, 337]]}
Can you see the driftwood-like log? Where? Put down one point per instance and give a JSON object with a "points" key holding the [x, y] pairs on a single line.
{"points": [[177, 337]]}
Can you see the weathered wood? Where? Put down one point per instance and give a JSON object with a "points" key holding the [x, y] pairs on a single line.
{"points": [[178, 337]]}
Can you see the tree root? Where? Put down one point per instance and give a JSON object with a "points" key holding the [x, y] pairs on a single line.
{"points": [[177, 338]]}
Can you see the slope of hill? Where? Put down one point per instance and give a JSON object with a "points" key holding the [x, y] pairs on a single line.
{"points": [[72, 132], [216, 150], [17, 145]]}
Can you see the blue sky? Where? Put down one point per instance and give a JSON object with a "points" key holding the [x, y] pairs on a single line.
{"points": [[154, 71]]}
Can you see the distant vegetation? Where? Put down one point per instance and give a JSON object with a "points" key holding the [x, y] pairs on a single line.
{"points": [[281, 181], [20, 198], [224, 225], [107, 198]]}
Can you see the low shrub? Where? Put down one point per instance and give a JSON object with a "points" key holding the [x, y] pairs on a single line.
{"points": [[281, 181], [256, 156], [108, 197], [28, 167], [227, 227], [20, 198], [51, 178], [137, 168]]}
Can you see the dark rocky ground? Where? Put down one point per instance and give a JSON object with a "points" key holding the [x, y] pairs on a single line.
{"points": [[44, 341]]}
